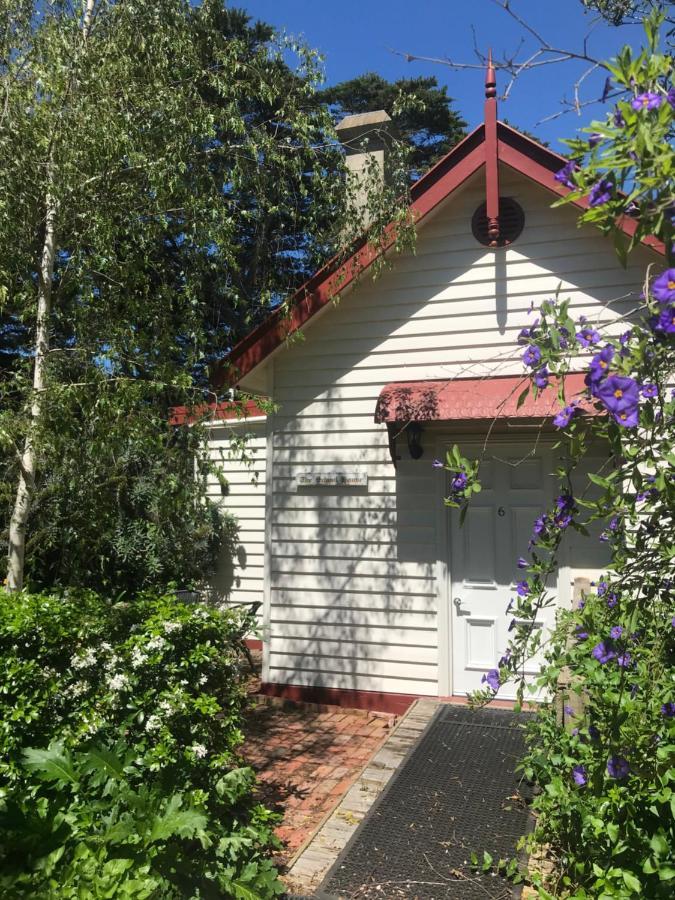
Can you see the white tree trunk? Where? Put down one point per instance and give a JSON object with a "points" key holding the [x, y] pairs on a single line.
{"points": [[19, 520], [28, 464], [87, 17]]}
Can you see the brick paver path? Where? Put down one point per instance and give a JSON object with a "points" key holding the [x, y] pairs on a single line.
{"points": [[306, 758]]}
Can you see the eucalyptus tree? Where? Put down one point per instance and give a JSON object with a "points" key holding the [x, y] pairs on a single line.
{"points": [[162, 179]]}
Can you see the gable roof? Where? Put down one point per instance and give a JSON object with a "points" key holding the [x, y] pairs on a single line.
{"points": [[515, 150]]}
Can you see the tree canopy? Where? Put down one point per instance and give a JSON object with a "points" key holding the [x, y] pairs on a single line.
{"points": [[162, 183]]}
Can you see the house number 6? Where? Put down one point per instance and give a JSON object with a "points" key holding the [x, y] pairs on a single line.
{"points": [[501, 511]]}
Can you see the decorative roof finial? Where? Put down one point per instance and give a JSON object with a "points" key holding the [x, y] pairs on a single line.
{"points": [[490, 78], [491, 154]]}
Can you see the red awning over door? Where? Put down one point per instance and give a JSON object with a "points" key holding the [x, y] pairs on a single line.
{"points": [[473, 398]]}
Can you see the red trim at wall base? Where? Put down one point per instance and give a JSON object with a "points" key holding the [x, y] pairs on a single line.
{"points": [[349, 699], [374, 701], [253, 643]]}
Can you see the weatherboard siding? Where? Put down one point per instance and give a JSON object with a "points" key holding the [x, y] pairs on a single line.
{"points": [[241, 580], [354, 590]]}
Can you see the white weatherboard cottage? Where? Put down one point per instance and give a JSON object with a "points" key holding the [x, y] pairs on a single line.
{"points": [[372, 594]]}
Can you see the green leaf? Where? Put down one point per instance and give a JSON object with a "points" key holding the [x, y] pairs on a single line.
{"points": [[52, 764], [177, 822], [244, 892], [523, 397], [631, 882], [101, 760]]}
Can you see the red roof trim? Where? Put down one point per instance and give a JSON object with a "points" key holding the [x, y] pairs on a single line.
{"points": [[516, 150], [465, 399], [181, 415], [451, 171], [534, 167]]}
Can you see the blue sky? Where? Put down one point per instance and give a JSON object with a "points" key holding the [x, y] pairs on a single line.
{"points": [[356, 36]]}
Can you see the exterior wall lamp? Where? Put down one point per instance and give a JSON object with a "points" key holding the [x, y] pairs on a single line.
{"points": [[414, 435]]}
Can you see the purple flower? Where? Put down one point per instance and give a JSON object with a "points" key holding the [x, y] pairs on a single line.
{"points": [[459, 481], [617, 767], [668, 710], [564, 176], [603, 653], [601, 192], [670, 97], [616, 631], [579, 775], [587, 336], [522, 588], [672, 622], [580, 634], [612, 600], [564, 502], [505, 659], [562, 419], [649, 390], [562, 520], [601, 588], [541, 378], [665, 321], [581, 604], [540, 525], [532, 356], [599, 366], [594, 139], [619, 120], [492, 679], [437, 464], [663, 287], [522, 563], [624, 659], [524, 335], [614, 523], [568, 710], [648, 100], [593, 733], [620, 394]]}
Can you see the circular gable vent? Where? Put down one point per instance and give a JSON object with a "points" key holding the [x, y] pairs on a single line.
{"points": [[511, 222]]}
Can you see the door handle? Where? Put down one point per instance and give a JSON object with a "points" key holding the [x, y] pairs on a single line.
{"points": [[458, 604]]}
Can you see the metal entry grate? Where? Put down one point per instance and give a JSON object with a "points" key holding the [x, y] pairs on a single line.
{"points": [[455, 793]]}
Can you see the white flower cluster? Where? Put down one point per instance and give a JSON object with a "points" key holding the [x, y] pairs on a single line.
{"points": [[156, 643], [84, 661], [76, 689], [170, 627], [138, 658], [199, 750], [153, 723], [118, 682]]}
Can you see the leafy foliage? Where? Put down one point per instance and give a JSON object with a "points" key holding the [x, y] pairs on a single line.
{"points": [[606, 806], [185, 156], [119, 773], [619, 12]]}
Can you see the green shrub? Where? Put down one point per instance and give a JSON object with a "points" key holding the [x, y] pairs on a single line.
{"points": [[119, 776]]}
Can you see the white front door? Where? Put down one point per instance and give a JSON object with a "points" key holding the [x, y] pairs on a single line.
{"points": [[516, 488]]}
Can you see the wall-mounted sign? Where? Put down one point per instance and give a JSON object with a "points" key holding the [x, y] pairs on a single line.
{"points": [[331, 479]]}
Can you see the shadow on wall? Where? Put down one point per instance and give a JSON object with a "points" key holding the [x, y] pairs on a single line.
{"points": [[356, 598], [353, 590]]}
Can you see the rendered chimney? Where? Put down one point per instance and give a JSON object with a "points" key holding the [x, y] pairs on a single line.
{"points": [[365, 138]]}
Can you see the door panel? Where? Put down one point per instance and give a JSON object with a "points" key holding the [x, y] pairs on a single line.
{"points": [[483, 555]]}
